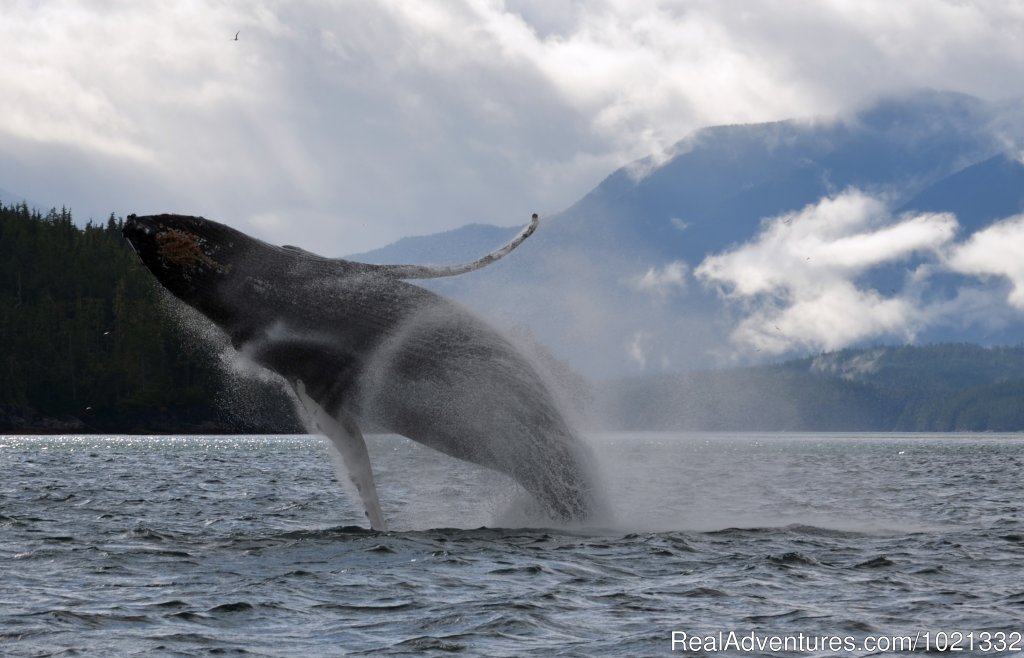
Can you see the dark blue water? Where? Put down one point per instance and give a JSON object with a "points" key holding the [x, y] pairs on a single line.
{"points": [[237, 545]]}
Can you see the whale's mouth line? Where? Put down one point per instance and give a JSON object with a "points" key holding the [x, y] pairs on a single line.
{"points": [[133, 225]]}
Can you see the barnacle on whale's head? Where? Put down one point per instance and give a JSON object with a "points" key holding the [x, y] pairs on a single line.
{"points": [[184, 249]]}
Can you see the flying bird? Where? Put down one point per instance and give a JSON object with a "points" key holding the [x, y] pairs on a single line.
{"points": [[236, 35]]}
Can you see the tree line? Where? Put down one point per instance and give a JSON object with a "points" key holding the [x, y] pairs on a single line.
{"points": [[87, 344]]}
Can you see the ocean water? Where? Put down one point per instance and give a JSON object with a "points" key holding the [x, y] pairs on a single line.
{"points": [[727, 544]]}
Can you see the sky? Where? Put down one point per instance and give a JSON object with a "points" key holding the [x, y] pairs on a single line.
{"points": [[341, 126]]}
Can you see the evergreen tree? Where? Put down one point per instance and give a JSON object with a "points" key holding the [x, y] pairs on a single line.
{"points": [[85, 342]]}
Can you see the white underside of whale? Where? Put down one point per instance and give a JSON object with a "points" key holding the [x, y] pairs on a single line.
{"points": [[350, 447]]}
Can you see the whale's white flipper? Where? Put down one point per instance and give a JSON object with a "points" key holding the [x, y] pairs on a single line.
{"points": [[417, 271], [438, 271], [349, 443]]}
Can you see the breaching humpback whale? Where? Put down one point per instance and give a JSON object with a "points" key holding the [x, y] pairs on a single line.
{"points": [[358, 343]]}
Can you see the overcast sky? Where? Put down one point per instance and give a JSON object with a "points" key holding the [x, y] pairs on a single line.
{"points": [[342, 126]]}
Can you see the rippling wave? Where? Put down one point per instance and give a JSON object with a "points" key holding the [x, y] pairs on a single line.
{"points": [[246, 545]]}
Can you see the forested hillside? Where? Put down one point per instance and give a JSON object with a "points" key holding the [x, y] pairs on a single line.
{"points": [[84, 343], [934, 388]]}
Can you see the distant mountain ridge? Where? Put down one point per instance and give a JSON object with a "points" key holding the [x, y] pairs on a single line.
{"points": [[721, 181], [609, 282], [978, 194]]}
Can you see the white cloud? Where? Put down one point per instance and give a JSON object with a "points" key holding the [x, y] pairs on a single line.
{"points": [[834, 238], [660, 282], [828, 319], [394, 118], [679, 223], [636, 348], [797, 280], [996, 251]]}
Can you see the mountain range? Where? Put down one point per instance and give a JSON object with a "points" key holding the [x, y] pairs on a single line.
{"points": [[691, 259]]}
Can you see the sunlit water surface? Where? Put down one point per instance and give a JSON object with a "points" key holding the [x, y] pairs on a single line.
{"points": [[248, 545]]}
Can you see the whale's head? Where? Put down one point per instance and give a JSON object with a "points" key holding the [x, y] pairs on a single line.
{"points": [[191, 256]]}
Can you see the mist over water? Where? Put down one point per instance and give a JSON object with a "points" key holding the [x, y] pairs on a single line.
{"points": [[250, 394], [187, 545]]}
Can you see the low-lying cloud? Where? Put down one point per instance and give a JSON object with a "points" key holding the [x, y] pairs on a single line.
{"points": [[996, 251], [814, 279], [660, 282]]}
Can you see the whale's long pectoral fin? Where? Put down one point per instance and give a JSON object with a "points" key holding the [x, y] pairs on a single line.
{"points": [[417, 271], [434, 272], [349, 443]]}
